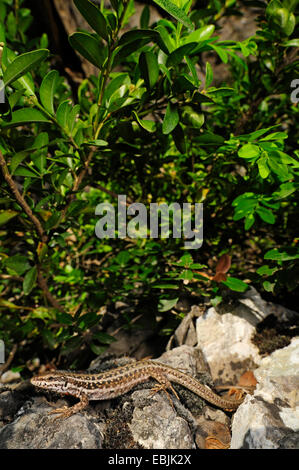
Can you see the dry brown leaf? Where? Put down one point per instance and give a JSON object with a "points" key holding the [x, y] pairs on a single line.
{"points": [[247, 379], [218, 436], [223, 264]]}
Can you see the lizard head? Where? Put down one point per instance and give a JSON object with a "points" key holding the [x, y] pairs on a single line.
{"points": [[54, 381]]}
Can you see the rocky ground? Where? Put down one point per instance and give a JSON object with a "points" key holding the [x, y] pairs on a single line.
{"points": [[221, 347]]}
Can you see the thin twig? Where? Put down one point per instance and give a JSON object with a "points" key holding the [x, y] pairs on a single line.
{"points": [[11, 355], [44, 287], [20, 199]]}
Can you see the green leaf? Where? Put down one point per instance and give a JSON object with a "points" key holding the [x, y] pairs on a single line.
{"points": [[52, 221], [41, 312], [149, 126], [115, 84], [149, 68], [98, 143], [104, 337], [269, 286], [93, 16], [285, 190], [221, 52], [5, 216], [29, 280], [138, 35], [266, 215], [123, 258], [263, 167], [15, 97], [266, 270], [178, 136], [175, 12], [63, 112], [165, 286], [186, 261], [183, 83], [282, 254], [249, 221], [196, 120], [201, 34], [186, 275], [22, 64], [209, 75], [98, 350], [235, 284], [171, 118], [89, 47], [178, 54], [25, 116], [145, 17], [291, 43], [220, 92], [72, 117], [167, 304], [21, 171], [47, 90], [18, 263], [249, 151]]}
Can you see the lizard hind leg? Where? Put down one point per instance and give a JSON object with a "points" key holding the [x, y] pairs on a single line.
{"points": [[163, 385]]}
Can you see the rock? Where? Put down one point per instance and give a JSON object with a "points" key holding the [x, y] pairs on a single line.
{"points": [[10, 376], [270, 418], [38, 430], [136, 419], [10, 403], [225, 341], [157, 425], [213, 430], [187, 359], [185, 334], [250, 306]]}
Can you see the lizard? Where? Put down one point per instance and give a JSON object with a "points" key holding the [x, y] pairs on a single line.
{"points": [[118, 381]]}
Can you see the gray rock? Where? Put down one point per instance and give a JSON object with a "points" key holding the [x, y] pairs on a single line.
{"points": [[250, 306], [10, 376], [269, 418], [36, 429], [156, 425], [137, 419], [225, 341]]}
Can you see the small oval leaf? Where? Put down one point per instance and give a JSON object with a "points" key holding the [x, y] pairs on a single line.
{"points": [[89, 47], [93, 16], [171, 118], [47, 90]]}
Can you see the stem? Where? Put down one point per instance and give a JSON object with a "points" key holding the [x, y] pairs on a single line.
{"points": [[20, 199], [44, 287], [38, 227], [105, 75], [76, 186], [103, 80]]}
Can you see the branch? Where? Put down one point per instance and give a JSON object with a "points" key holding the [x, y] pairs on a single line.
{"points": [[44, 287], [38, 227], [12, 353], [76, 186], [20, 199]]}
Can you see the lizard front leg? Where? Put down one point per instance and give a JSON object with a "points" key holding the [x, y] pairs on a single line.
{"points": [[66, 412]]}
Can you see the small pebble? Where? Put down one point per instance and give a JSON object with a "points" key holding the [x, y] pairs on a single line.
{"points": [[10, 376]]}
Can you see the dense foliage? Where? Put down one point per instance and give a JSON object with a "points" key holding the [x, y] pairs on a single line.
{"points": [[157, 125]]}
